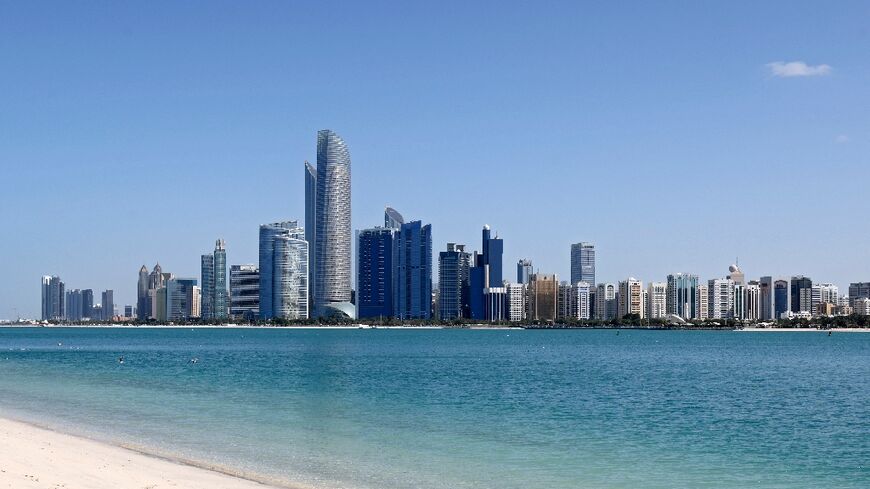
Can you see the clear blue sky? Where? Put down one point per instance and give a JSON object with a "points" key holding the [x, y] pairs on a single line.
{"points": [[661, 131]]}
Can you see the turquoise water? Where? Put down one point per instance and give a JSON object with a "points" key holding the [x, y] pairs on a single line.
{"points": [[461, 408]]}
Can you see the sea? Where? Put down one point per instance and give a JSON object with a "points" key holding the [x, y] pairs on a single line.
{"points": [[501, 408]]}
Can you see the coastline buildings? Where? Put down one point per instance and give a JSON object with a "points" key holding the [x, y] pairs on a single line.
{"points": [[542, 304], [656, 300], [582, 263], [214, 282], [524, 271], [605, 302], [630, 298], [412, 293], [486, 272], [73, 305], [283, 262], [107, 312], [720, 298], [52, 298], [453, 282], [800, 287], [245, 292], [332, 232], [583, 300], [682, 295], [180, 295], [374, 284], [142, 306]]}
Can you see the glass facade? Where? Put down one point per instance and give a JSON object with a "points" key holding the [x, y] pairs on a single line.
{"points": [[245, 292], [207, 293], [413, 271], [268, 234], [290, 276], [220, 280], [582, 263], [453, 282], [683, 295], [374, 284]]}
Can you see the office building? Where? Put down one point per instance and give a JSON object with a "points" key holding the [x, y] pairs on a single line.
{"points": [[657, 300], [516, 302], [287, 269], [214, 303], [412, 292], [108, 305], [73, 305], [374, 283], [524, 271], [605, 302], [682, 295], [543, 302], [829, 293], [392, 219], [245, 292], [142, 306], [332, 235], [179, 297], [797, 285], [582, 263], [453, 282], [310, 226], [720, 298], [858, 290], [567, 302], [630, 298], [53, 296], [486, 272], [752, 301], [495, 304], [128, 311], [88, 305], [703, 302], [781, 298], [207, 277], [861, 306]]}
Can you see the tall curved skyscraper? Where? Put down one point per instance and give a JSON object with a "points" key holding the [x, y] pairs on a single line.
{"points": [[332, 234]]}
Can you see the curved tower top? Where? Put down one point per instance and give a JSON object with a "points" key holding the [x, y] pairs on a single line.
{"points": [[392, 218], [332, 234]]}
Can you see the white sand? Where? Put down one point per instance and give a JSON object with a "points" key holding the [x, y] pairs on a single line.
{"points": [[32, 457]]}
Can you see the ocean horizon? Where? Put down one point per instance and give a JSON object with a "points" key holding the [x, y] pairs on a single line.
{"points": [[448, 408]]}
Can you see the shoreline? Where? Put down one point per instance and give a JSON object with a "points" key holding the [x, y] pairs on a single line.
{"points": [[33, 453], [430, 327]]}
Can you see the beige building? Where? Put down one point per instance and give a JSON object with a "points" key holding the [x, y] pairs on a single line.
{"points": [[543, 303], [630, 299]]}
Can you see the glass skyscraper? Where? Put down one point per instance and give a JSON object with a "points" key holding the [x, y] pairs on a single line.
{"points": [[682, 299], [207, 294], [413, 272], [332, 233], [582, 263], [453, 276], [374, 280], [487, 272], [220, 280], [244, 291], [524, 271], [290, 276], [310, 225], [268, 233]]}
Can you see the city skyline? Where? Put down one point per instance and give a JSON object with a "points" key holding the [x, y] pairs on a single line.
{"points": [[655, 111]]}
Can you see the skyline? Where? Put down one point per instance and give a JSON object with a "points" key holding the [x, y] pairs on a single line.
{"points": [[760, 138]]}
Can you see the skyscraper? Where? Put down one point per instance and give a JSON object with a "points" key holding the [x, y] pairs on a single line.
{"points": [[245, 292], [682, 297], [142, 307], [487, 272], [543, 299], [516, 302], [630, 298], [583, 294], [797, 285], [453, 275], [605, 302], [88, 304], [108, 310], [374, 283], [73, 305], [52, 298], [282, 259], [310, 225], [332, 239], [207, 292], [524, 271], [720, 298], [392, 218], [413, 271], [582, 263], [657, 300], [220, 280], [179, 296]]}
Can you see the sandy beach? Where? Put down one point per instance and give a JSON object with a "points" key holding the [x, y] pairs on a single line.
{"points": [[32, 457]]}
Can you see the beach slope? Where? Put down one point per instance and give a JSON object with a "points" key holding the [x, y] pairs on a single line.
{"points": [[32, 457]]}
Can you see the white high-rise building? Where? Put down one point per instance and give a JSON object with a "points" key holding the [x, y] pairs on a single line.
{"points": [[861, 306], [657, 296], [720, 298], [829, 293], [583, 306], [516, 302], [752, 301], [630, 299], [702, 303]]}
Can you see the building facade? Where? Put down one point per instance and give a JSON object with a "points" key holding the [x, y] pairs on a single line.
{"points": [[412, 291], [582, 263], [524, 271], [453, 282], [682, 298], [374, 282], [245, 292], [543, 302], [290, 276], [657, 300], [630, 298], [605, 302]]}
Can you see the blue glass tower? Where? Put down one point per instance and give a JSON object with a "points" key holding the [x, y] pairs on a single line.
{"points": [[412, 290], [486, 273], [374, 281]]}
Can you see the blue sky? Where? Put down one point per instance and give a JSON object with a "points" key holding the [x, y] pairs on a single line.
{"points": [[661, 131]]}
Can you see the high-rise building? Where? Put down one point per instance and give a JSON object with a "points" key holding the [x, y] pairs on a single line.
{"points": [[657, 300], [735, 274], [797, 284], [88, 304], [630, 298], [374, 278], [567, 302], [142, 306], [495, 303], [73, 305], [392, 219], [516, 302], [524, 271], [720, 298], [861, 306], [290, 276], [245, 292], [582, 263], [858, 290], [682, 299], [128, 311], [605, 302], [752, 301], [332, 235], [829, 294], [412, 292], [195, 301], [269, 233], [543, 302], [207, 276], [179, 296], [781, 297], [486, 273], [453, 282], [739, 301], [310, 225], [108, 303], [702, 304], [582, 300]]}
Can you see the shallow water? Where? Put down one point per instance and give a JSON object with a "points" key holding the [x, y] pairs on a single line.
{"points": [[463, 408]]}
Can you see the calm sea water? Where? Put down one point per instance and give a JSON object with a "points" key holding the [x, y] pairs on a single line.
{"points": [[463, 409]]}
